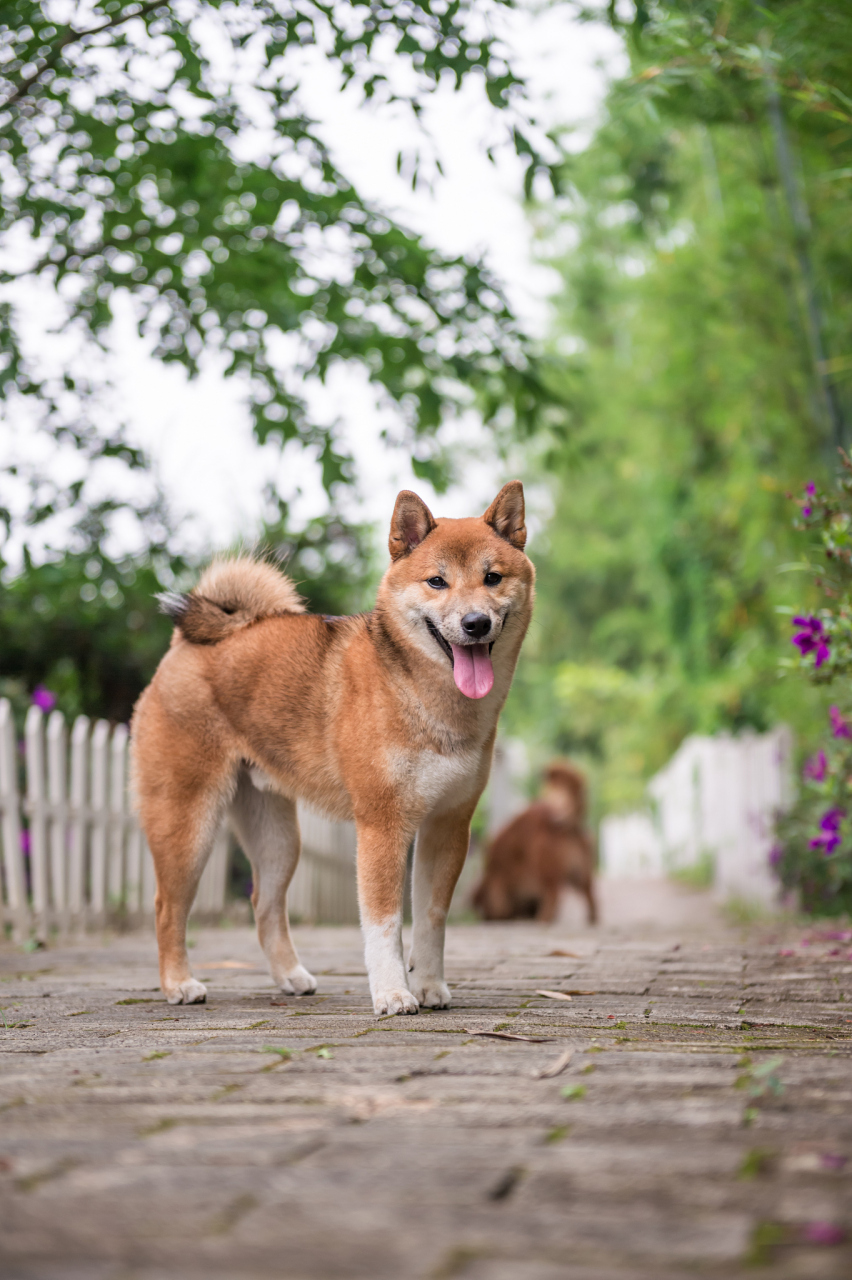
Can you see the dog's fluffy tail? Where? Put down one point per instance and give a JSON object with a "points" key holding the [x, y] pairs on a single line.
{"points": [[231, 594]]}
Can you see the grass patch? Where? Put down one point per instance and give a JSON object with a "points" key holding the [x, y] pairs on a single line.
{"points": [[572, 1092], [700, 875], [158, 1053]]}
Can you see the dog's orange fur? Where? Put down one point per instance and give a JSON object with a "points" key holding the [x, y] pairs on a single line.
{"points": [[258, 704], [542, 850]]}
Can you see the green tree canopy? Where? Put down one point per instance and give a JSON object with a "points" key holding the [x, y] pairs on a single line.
{"points": [[705, 327], [161, 149]]}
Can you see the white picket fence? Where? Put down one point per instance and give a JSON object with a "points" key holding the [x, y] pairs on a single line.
{"points": [[716, 798], [74, 857]]}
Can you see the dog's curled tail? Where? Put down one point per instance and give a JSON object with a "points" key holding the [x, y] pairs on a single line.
{"points": [[230, 594]]}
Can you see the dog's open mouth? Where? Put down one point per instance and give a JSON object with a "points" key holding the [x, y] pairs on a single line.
{"points": [[472, 669]]}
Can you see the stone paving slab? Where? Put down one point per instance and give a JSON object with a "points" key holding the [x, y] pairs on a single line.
{"points": [[703, 1126]]}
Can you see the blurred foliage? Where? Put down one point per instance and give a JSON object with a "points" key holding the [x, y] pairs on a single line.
{"points": [[125, 138], [694, 294], [813, 854]]}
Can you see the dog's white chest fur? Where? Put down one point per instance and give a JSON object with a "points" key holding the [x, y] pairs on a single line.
{"points": [[431, 781]]}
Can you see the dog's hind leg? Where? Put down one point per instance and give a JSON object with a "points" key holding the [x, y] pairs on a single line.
{"points": [[439, 855], [180, 850], [268, 829]]}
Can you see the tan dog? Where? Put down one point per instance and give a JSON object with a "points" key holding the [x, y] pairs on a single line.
{"points": [[388, 717], [539, 852]]}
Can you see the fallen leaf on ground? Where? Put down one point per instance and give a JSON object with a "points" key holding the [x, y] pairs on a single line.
{"points": [[556, 1068], [555, 995], [575, 955], [508, 1035]]}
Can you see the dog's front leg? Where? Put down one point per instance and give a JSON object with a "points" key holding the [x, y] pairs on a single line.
{"points": [[439, 856], [381, 879]]}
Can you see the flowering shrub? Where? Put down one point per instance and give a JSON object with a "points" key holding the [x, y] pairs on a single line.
{"points": [[813, 852]]}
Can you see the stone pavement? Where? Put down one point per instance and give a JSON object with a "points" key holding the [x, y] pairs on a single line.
{"points": [[702, 1126]]}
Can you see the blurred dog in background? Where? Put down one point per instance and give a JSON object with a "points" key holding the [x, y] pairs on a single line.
{"points": [[541, 851]]}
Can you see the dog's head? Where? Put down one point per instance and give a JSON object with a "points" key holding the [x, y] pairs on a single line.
{"points": [[454, 585], [565, 791]]}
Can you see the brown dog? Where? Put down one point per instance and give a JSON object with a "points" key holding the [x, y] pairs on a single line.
{"points": [[387, 718], [541, 850]]}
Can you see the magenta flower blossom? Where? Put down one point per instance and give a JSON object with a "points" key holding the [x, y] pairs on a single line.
{"points": [[25, 842], [816, 768], [830, 1160], [827, 1233], [43, 698], [811, 639], [829, 836], [840, 726], [776, 853], [810, 490]]}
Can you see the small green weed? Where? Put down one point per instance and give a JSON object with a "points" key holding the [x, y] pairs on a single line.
{"points": [[761, 1080], [572, 1092], [755, 1162], [556, 1135]]}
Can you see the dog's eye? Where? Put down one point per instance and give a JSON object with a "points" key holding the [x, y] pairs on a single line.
{"points": [[438, 583], [491, 579]]}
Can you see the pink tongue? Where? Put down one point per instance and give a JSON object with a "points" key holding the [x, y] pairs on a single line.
{"points": [[472, 669]]}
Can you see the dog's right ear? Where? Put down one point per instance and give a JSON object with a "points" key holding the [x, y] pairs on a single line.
{"points": [[410, 523]]}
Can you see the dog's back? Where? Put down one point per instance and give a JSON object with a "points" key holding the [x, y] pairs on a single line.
{"points": [[542, 850]]}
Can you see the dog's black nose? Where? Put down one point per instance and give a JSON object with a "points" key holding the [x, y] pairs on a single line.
{"points": [[476, 625]]}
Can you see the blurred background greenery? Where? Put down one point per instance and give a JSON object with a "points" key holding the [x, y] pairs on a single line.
{"points": [[695, 370]]}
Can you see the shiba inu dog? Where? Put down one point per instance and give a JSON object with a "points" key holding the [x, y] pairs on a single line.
{"points": [[387, 718], [543, 850]]}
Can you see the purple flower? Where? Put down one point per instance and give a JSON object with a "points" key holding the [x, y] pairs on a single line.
{"points": [[25, 842], [828, 838], [810, 489], [776, 853], [816, 768], [43, 698], [811, 639], [829, 1160], [807, 511], [822, 1233], [840, 726]]}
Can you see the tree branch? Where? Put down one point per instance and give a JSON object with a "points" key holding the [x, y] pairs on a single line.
{"points": [[71, 37]]}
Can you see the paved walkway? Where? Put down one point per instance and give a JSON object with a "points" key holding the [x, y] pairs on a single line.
{"points": [[702, 1126]]}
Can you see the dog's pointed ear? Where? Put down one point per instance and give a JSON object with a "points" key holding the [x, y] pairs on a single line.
{"points": [[506, 514], [410, 523]]}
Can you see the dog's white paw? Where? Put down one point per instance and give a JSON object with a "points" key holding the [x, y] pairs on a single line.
{"points": [[432, 993], [395, 1001], [298, 982], [189, 992]]}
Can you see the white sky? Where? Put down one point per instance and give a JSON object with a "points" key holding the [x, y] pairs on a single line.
{"points": [[199, 433]]}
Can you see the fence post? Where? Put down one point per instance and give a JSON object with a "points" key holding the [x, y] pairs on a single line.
{"points": [[118, 770], [36, 811], [100, 770], [57, 780], [13, 854], [79, 821]]}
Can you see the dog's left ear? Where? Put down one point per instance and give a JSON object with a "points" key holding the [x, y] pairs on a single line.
{"points": [[506, 514], [410, 523]]}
